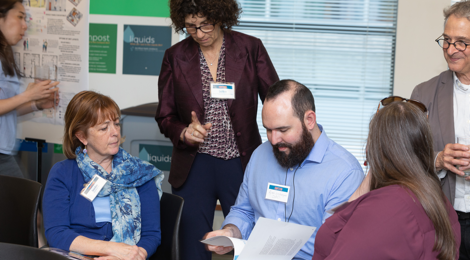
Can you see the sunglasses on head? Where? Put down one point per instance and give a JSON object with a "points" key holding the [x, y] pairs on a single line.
{"points": [[388, 100]]}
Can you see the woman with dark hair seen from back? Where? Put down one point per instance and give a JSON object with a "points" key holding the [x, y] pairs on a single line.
{"points": [[213, 136], [123, 220], [37, 96], [400, 211]]}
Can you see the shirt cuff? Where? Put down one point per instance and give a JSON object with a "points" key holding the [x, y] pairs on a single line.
{"points": [[244, 227]]}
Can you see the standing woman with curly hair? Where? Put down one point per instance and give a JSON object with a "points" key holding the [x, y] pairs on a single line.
{"points": [[213, 137], [37, 96]]}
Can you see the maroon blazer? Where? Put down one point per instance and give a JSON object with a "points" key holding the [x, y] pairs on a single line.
{"points": [[180, 91], [387, 223]]}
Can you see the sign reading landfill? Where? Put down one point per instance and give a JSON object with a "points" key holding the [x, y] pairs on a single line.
{"points": [[143, 49]]}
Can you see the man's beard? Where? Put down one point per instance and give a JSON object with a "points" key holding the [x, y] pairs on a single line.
{"points": [[298, 151]]}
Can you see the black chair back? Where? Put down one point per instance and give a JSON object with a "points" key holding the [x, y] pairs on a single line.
{"points": [[19, 252], [171, 207], [19, 199]]}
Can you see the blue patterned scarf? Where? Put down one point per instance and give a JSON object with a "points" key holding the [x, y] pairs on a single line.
{"points": [[128, 173]]}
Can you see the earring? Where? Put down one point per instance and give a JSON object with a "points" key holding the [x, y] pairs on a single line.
{"points": [[85, 151]]}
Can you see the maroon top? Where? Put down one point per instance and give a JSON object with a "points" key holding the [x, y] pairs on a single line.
{"points": [[387, 223], [247, 64]]}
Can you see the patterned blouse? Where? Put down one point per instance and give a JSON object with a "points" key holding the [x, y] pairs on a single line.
{"points": [[220, 141]]}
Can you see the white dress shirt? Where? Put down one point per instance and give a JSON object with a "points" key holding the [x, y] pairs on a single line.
{"points": [[462, 129]]}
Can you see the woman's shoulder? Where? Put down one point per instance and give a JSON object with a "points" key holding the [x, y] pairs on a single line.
{"points": [[64, 169], [241, 38]]}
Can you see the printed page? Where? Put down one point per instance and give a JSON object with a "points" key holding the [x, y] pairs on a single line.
{"points": [[275, 240]]}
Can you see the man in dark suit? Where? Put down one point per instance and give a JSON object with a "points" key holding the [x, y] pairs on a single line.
{"points": [[447, 97]]}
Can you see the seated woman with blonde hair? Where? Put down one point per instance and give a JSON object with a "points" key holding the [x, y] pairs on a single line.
{"points": [[123, 221], [400, 211]]}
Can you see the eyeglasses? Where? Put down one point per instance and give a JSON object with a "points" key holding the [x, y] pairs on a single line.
{"points": [[206, 28], [445, 44], [388, 100]]}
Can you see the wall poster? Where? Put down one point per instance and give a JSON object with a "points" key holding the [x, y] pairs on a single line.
{"points": [[143, 48], [55, 46]]}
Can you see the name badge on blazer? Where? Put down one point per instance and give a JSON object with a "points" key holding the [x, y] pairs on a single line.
{"points": [[93, 187], [222, 90], [277, 192]]}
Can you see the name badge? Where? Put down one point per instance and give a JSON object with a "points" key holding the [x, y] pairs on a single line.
{"points": [[222, 90], [277, 192], [93, 187]]}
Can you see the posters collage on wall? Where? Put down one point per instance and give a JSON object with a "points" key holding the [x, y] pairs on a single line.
{"points": [[55, 47]]}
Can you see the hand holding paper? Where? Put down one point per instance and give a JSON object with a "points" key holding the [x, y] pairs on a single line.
{"points": [[269, 240]]}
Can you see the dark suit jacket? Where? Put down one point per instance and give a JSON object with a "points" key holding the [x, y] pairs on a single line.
{"points": [[438, 96], [180, 91]]}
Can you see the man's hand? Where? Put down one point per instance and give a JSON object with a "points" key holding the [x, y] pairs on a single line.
{"points": [[452, 156], [229, 231]]}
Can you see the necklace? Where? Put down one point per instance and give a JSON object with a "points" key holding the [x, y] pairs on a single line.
{"points": [[217, 58], [212, 62]]}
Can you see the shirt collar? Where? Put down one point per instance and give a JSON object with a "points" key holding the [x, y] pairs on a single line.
{"points": [[459, 85], [319, 149]]}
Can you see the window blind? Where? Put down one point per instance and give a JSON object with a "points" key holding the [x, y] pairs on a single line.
{"points": [[342, 50]]}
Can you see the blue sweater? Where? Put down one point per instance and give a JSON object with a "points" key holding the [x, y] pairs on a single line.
{"points": [[67, 214]]}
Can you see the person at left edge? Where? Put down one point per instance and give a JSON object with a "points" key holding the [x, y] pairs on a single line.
{"points": [[37, 96], [123, 221], [212, 138], [319, 173]]}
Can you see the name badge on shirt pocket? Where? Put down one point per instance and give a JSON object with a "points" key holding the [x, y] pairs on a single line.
{"points": [[277, 192], [222, 90], [93, 187]]}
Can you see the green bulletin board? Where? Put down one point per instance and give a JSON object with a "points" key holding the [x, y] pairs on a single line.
{"points": [[150, 8], [103, 40]]}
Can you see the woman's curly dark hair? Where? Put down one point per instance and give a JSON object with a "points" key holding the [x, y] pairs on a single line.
{"points": [[223, 12]]}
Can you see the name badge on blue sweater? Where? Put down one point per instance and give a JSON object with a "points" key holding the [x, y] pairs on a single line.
{"points": [[277, 192], [93, 187]]}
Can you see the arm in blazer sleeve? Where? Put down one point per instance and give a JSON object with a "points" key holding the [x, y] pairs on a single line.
{"points": [[167, 115], [267, 74]]}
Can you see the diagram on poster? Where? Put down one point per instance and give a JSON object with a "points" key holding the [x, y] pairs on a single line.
{"points": [[55, 47]]}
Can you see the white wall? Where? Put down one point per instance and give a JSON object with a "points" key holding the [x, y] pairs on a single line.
{"points": [[418, 57]]}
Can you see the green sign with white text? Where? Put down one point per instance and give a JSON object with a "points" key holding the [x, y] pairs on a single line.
{"points": [[158, 155], [103, 41]]}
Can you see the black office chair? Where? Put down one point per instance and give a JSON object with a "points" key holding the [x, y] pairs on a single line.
{"points": [[19, 199], [20, 252], [171, 207]]}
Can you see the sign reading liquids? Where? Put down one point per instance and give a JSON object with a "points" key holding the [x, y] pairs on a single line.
{"points": [[158, 155]]}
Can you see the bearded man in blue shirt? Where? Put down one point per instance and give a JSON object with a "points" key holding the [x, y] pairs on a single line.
{"points": [[319, 173]]}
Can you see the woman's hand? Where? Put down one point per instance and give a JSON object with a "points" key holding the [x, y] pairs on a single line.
{"points": [[123, 251], [41, 90], [195, 133], [48, 102], [107, 250]]}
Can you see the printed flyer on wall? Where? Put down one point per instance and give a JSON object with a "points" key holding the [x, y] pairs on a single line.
{"points": [[55, 47]]}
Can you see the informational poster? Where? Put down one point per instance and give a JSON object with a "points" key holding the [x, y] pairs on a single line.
{"points": [[55, 46], [158, 155], [143, 48], [103, 41]]}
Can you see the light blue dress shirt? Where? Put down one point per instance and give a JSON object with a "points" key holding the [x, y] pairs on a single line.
{"points": [[102, 207], [326, 178], [9, 87]]}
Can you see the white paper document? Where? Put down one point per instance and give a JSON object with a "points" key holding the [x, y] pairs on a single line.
{"points": [[270, 239]]}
